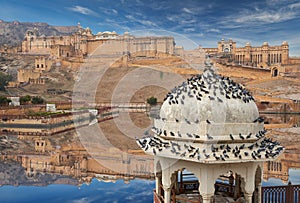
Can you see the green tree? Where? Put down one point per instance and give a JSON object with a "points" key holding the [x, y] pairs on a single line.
{"points": [[4, 101], [152, 100], [4, 79], [25, 99], [37, 100]]}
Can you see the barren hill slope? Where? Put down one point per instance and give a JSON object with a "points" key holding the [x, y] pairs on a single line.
{"points": [[12, 33]]}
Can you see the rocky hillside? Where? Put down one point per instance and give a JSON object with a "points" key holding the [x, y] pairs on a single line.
{"points": [[12, 33]]}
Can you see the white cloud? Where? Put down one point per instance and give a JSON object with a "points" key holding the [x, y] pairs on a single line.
{"points": [[108, 11], [114, 24], [187, 10], [141, 21], [130, 17], [182, 19], [189, 29], [162, 5], [82, 200], [147, 23], [200, 35], [171, 18], [114, 11], [214, 30], [294, 5], [266, 17], [83, 10], [262, 13], [278, 2]]}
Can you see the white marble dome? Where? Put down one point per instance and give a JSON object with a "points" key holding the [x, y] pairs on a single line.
{"points": [[210, 119], [209, 97]]}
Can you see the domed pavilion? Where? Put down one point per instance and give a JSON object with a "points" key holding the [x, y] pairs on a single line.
{"points": [[210, 126]]}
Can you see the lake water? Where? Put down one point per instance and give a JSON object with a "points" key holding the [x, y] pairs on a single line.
{"points": [[136, 191], [61, 180]]}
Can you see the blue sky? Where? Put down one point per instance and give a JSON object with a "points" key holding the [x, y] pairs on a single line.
{"points": [[203, 21], [137, 191]]}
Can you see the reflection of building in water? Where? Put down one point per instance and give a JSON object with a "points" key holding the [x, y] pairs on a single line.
{"points": [[44, 123], [281, 106], [287, 120], [84, 168], [278, 119], [280, 168], [77, 164], [12, 173], [72, 160]]}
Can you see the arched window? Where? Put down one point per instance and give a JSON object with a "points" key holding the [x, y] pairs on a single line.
{"points": [[280, 58], [271, 60], [261, 59], [274, 72]]}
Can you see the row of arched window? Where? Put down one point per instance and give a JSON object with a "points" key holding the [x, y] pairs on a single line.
{"points": [[258, 58], [274, 166], [240, 58], [274, 58]]}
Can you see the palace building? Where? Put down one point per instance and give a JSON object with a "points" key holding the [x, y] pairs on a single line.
{"points": [[275, 58], [83, 43], [262, 56]]}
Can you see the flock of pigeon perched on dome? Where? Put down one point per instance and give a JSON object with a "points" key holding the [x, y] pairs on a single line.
{"points": [[199, 85], [207, 148], [262, 148]]}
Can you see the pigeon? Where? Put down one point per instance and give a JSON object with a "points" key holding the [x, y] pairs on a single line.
{"points": [[259, 120], [249, 136], [209, 137], [241, 136]]}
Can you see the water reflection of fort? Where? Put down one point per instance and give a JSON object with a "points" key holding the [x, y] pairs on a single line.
{"points": [[287, 120], [71, 164], [78, 165], [290, 159], [280, 168]]}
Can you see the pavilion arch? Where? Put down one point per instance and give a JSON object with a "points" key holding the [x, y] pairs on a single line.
{"points": [[257, 184], [206, 175], [157, 165], [274, 72], [158, 179]]}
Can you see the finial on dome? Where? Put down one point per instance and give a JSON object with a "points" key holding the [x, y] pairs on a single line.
{"points": [[208, 63]]}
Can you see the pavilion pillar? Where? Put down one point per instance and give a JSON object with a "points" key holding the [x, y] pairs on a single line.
{"points": [[206, 184], [174, 181], [207, 198], [237, 188], [259, 193], [166, 182], [248, 197], [249, 184], [167, 194], [158, 184], [258, 179]]}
